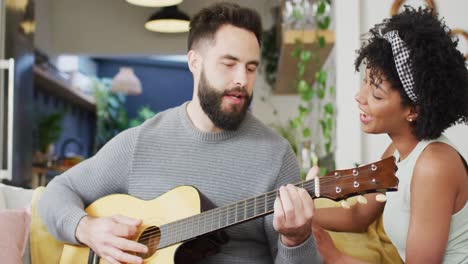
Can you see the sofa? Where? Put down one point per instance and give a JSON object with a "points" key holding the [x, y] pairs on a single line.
{"points": [[24, 238]]}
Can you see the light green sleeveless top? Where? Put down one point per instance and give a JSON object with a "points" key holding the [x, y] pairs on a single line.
{"points": [[396, 214]]}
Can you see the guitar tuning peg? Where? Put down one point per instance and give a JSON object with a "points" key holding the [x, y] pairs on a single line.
{"points": [[345, 204], [381, 198], [361, 199]]}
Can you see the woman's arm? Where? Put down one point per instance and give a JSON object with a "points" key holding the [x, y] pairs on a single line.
{"points": [[328, 250], [438, 176]]}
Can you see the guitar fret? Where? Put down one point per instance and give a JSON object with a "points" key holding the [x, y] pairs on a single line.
{"points": [[245, 209], [250, 210], [235, 209], [255, 205]]}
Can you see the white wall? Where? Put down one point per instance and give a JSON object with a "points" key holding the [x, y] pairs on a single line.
{"points": [[114, 27], [369, 13]]}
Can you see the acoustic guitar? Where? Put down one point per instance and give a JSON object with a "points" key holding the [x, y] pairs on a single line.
{"points": [[182, 225]]}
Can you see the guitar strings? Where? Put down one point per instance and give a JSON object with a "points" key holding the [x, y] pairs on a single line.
{"points": [[179, 225], [178, 239], [183, 223]]}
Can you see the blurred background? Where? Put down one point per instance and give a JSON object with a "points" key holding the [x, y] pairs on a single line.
{"points": [[76, 73]]}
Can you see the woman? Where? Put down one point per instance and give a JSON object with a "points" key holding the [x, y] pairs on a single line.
{"points": [[415, 87]]}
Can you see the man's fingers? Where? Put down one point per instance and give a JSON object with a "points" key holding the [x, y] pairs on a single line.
{"points": [[279, 216], [126, 220], [129, 245], [308, 203], [286, 201], [122, 256], [313, 172], [123, 230]]}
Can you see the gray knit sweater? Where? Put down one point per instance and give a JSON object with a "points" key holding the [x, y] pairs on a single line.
{"points": [[167, 151]]}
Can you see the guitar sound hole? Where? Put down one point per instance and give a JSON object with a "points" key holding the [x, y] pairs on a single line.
{"points": [[151, 238]]}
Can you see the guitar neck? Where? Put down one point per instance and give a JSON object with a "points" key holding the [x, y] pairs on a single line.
{"points": [[337, 185], [223, 217]]}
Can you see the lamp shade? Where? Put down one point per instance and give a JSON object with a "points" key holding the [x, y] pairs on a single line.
{"points": [[168, 20], [126, 82], [154, 3]]}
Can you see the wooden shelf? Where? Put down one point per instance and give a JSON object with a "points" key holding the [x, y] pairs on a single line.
{"points": [[60, 88], [287, 65]]}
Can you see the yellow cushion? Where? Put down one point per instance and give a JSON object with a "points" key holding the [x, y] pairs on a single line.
{"points": [[43, 246], [373, 246]]}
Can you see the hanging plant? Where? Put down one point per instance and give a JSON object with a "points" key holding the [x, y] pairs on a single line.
{"points": [[319, 90]]}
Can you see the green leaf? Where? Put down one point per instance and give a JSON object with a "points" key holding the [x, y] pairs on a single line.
{"points": [[325, 23], [332, 89], [295, 123], [303, 110], [321, 41], [306, 132], [321, 93], [323, 171], [328, 147], [308, 95], [328, 108], [305, 55], [297, 14], [301, 69], [302, 86], [321, 8], [330, 123], [321, 77], [323, 124], [295, 53]]}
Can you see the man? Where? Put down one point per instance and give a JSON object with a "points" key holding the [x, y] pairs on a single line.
{"points": [[211, 142]]}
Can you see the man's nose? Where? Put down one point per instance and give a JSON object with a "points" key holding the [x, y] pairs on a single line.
{"points": [[240, 77]]}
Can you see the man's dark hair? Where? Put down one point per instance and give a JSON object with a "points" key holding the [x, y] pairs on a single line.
{"points": [[206, 23], [438, 68]]}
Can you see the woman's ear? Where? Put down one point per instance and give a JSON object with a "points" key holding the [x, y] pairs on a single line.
{"points": [[413, 114]]}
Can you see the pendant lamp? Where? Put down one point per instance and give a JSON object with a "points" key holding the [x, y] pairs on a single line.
{"points": [[126, 82], [154, 3], [168, 20]]}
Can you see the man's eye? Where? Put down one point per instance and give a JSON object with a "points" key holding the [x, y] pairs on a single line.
{"points": [[251, 69]]}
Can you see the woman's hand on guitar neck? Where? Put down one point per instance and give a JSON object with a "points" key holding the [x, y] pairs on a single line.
{"points": [[293, 214], [109, 237]]}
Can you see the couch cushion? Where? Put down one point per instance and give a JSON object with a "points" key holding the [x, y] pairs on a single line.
{"points": [[43, 246], [16, 197], [2, 201], [14, 227]]}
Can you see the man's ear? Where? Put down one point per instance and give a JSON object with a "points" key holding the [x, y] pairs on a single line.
{"points": [[194, 62]]}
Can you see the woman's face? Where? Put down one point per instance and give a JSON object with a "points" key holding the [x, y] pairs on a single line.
{"points": [[380, 107]]}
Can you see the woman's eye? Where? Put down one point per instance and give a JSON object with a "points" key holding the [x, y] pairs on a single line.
{"points": [[376, 97]]}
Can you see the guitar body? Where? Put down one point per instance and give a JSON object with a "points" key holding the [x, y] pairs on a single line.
{"points": [[179, 203]]}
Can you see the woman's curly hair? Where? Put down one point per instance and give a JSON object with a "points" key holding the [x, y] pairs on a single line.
{"points": [[439, 70]]}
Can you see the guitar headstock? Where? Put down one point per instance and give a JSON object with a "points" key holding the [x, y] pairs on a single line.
{"points": [[374, 177]]}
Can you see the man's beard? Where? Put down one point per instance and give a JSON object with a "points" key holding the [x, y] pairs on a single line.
{"points": [[211, 102]]}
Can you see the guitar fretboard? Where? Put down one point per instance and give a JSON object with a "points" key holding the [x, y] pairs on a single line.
{"points": [[222, 217]]}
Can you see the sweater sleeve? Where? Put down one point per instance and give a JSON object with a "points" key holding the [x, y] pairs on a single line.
{"points": [[304, 253], [62, 204]]}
